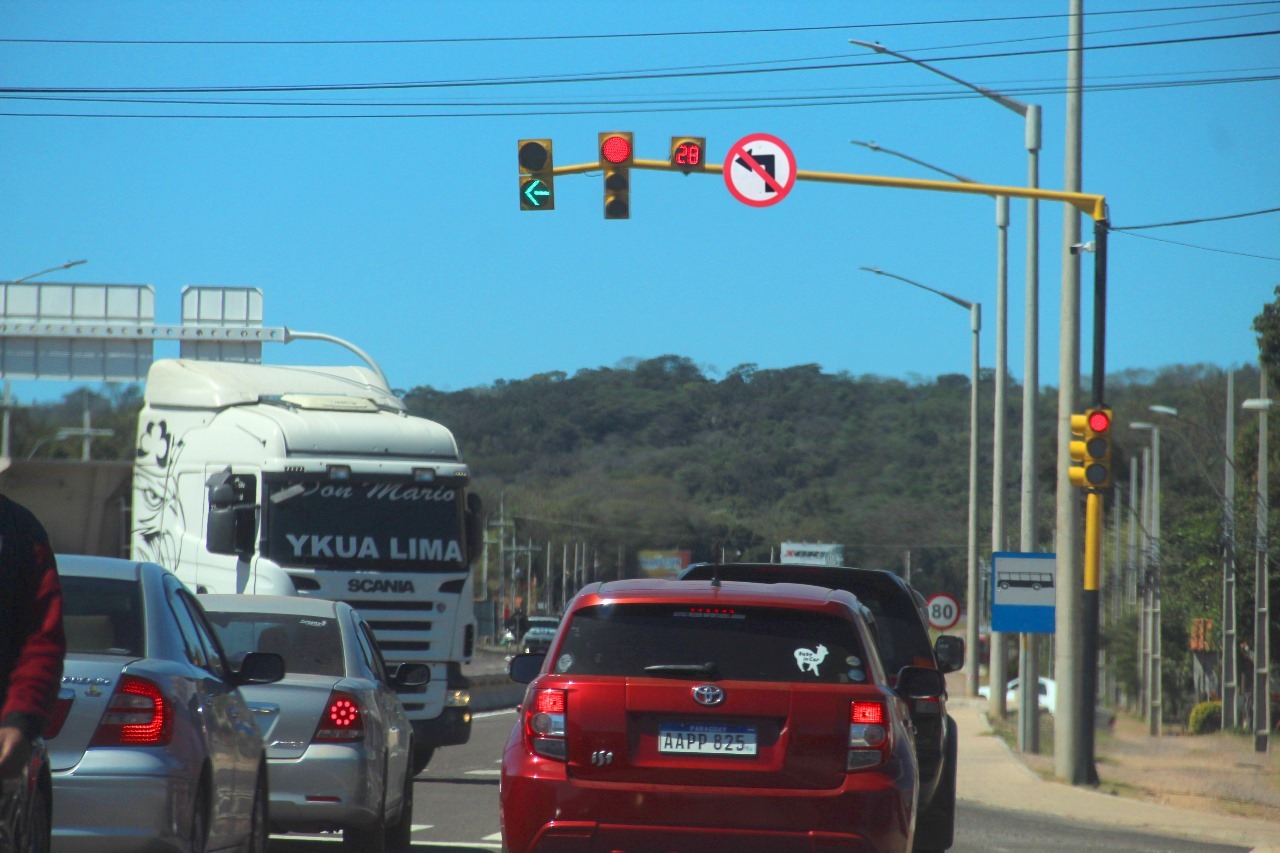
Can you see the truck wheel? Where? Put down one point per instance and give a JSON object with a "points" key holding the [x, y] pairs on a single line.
{"points": [[421, 758]]}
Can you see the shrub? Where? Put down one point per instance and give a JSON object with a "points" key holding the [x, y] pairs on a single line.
{"points": [[1206, 718]]}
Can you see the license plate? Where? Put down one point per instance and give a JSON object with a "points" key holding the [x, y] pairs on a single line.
{"points": [[706, 739]]}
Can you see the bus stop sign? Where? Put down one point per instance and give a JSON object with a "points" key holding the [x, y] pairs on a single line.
{"points": [[1023, 592]]}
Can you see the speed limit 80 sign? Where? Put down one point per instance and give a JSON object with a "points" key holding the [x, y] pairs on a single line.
{"points": [[943, 611]]}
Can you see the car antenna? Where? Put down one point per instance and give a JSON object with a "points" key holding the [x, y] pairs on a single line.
{"points": [[715, 576]]}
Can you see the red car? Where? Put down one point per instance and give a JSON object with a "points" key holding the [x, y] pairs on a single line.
{"points": [[711, 716]]}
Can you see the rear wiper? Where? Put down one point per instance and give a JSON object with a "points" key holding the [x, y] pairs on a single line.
{"points": [[685, 670]]}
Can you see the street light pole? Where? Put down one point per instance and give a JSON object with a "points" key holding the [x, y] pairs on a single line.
{"points": [[1028, 653], [971, 597], [1154, 724], [1261, 588]]}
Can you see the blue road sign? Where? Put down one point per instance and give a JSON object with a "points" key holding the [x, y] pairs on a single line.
{"points": [[1023, 592]]}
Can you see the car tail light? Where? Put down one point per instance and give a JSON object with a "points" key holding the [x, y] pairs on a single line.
{"points": [[343, 721], [58, 714], [868, 735], [137, 715], [544, 715]]}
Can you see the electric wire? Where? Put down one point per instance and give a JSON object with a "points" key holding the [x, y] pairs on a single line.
{"points": [[606, 77], [1198, 221], [1194, 246], [598, 36]]}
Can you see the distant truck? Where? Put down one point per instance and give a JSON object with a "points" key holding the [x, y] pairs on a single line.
{"points": [[315, 481], [812, 553]]}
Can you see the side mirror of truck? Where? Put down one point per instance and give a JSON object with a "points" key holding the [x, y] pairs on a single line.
{"points": [[475, 526], [232, 513]]}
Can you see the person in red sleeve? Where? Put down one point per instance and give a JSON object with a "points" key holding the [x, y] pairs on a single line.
{"points": [[32, 645]]}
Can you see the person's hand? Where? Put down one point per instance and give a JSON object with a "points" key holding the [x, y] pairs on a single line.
{"points": [[15, 751]]}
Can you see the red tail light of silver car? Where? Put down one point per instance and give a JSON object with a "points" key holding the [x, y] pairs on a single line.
{"points": [[868, 735], [343, 721], [137, 715]]}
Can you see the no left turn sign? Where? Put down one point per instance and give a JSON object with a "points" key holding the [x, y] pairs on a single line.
{"points": [[944, 611], [759, 170]]}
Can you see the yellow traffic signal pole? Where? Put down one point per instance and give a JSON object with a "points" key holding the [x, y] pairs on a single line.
{"points": [[1095, 207]]}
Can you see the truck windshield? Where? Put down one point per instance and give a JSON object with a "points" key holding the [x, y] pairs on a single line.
{"points": [[363, 523]]}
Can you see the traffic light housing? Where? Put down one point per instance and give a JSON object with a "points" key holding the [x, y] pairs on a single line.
{"points": [[616, 156], [537, 189], [1092, 449], [689, 153]]}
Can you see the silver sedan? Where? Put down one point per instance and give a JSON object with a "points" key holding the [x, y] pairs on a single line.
{"points": [[338, 741], [152, 747]]}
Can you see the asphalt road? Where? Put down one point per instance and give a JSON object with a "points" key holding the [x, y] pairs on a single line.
{"points": [[456, 809]]}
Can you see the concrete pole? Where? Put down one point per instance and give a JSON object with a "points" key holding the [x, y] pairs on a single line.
{"points": [[1230, 644], [1068, 761], [975, 322], [1131, 593], [996, 668], [1262, 612], [1157, 570], [1146, 583], [1028, 650]]}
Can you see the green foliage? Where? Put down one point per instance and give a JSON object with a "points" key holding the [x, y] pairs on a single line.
{"points": [[1206, 718]]}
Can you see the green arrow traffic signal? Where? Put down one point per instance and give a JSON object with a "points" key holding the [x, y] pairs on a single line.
{"points": [[533, 193]]}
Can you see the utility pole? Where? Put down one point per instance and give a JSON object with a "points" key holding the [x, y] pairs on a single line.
{"points": [[1230, 708], [1069, 736]]}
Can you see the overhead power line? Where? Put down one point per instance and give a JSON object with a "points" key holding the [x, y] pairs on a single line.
{"points": [[599, 36], [598, 77], [1202, 248], [1197, 221]]}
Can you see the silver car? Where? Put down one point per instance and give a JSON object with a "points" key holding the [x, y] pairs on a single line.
{"points": [[338, 741], [157, 748]]}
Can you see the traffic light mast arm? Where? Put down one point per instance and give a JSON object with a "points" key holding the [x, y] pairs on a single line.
{"points": [[1093, 206]]}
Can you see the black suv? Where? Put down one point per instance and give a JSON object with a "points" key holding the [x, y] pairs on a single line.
{"points": [[902, 632]]}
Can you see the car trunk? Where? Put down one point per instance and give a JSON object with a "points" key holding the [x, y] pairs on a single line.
{"points": [[289, 711], [652, 731], [90, 680]]}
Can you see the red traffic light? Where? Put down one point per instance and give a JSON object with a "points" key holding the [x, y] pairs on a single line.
{"points": [[1099, 421], [616, 149]]}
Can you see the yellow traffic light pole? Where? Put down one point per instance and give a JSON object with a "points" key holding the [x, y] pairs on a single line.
{"points": [[1095, 207]]}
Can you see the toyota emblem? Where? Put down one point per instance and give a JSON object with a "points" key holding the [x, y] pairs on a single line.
{"points": [[708, 694]]}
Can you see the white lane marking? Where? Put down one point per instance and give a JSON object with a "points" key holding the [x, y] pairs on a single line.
{"points": [[497, 836], [483, 772], [485, 714]]}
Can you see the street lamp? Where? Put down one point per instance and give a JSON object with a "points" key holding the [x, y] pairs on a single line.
{"points": [[1230, 715], [971, 599], [68, 265], [1262, 614], [1153, 588], [1028, 735]]}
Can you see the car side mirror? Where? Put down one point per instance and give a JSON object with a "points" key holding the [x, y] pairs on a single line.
{"points": [[260, 668], [920, 682], [525, 668], [232, 513], [949, 651], [410, 675]]}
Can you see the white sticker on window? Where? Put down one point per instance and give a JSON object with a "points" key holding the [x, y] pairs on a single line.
{"points": [[314, 623], [853, 660], [564, 662], [811, 658]]}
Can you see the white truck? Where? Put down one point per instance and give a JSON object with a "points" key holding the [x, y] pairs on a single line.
{"points": [[315, 481]]}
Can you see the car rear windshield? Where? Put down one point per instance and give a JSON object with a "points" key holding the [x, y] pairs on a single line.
{"points": [[696, 641], [102, 615], [900, 632], [310, 645]]}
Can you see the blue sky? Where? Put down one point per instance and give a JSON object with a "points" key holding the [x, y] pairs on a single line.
{"points": [[399, 229]]}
